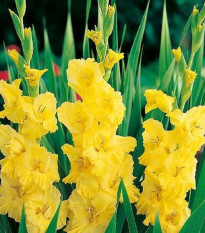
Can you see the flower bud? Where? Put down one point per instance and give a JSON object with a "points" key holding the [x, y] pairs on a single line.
{"points": [[190, 77], [198, 38], [109, 21], [17, 24], [18, 60], [112, 58], [28, 44], [111, 11], [21, 7], [195, 11], [14, 55], [177, 54]]}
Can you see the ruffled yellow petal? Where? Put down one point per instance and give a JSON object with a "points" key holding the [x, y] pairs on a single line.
{"points": [[157, 99], [34, 75], [75, 116]]}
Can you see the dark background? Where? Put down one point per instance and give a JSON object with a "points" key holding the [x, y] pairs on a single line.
{"points": [[129, 12]]}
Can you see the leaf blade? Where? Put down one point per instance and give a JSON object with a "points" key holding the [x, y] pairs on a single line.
{"points": [[22, 226]]}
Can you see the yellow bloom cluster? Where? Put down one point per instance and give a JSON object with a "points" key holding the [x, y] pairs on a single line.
{"points": [[170, 162], [99, 157], [28, 170]]}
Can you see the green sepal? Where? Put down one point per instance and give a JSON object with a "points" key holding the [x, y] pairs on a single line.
{"points": [[33, 91], [107, 75], [186, 93]]}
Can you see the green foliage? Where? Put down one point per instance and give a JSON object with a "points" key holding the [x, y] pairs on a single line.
{"points": [[22, 226], [51, 84], [157, 227], [118, 218], [195, 221], [4, 225], [86, 47], [198, 195], [112, 225], [165, 56], [127, 78], [130, 74], [52, 228], [128, 210]]}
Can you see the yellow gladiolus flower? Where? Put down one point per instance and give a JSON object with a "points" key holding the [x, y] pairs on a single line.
{"points": [[151, 199], [95, 36], [179, 172], [39, 168], [12, 197], [80, 166], [112, 58], [84, 75], [13, 107], [11, 143], [190, 77], [107, 106], [192, 122], [158, 99], [173, 221], [75, 116], [110, 180], [156, 143], [41, 208], [177, 54], [40, 116], [90, 214], [34, 75], [154, 135]]}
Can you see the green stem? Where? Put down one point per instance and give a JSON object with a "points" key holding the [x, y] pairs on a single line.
{"points": [[191, 59]]}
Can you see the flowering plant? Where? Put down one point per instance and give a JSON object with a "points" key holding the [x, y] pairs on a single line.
{"points": [[78, 155]]}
